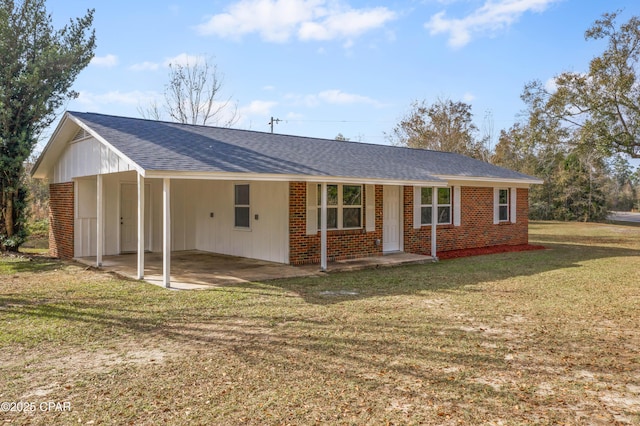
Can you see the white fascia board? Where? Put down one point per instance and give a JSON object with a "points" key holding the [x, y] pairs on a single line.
{"points": [[103, 141], [272, 177], [488, 181], [49, 147]]}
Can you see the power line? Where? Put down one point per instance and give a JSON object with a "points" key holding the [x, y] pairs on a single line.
{"points": [[337, 121]]}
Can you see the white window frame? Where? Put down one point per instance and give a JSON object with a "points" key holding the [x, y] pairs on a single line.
{"points": [[340, 206], [502, 205], [430, 205], [236, 206]]}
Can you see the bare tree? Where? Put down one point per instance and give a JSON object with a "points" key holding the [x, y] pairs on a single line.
{"points": [[442, 126], [192, 96]]}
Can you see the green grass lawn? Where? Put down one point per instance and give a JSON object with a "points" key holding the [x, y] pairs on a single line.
{"points": [[544, 337]]}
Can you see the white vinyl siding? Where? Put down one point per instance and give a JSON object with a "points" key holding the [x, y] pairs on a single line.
{"points": [[87, 157], [214, 218], [85, 223]]}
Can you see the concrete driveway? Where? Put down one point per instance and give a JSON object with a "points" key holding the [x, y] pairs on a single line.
{"points": [[624, 217]]}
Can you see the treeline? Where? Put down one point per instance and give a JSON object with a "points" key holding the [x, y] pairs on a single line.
{"points": [[578, 132]]}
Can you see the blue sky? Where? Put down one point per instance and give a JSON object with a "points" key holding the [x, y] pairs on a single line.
{"points": [[326, 67]]}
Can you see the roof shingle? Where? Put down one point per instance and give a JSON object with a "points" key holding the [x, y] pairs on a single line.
{"points": [[174, 147]]}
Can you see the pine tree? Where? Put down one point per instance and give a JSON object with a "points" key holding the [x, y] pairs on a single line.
{"points": [[39, 66]]}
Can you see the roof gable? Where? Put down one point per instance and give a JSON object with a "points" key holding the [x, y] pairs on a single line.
{"points": [[96, 155]]}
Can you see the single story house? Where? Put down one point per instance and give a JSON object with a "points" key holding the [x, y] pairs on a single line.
{"points": [[121, 185]]}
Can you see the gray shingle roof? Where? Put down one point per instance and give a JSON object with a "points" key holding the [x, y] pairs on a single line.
{"points": [[164, 146]]}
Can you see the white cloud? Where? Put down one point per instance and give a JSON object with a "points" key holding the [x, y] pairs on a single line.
{"points": [[184, 59], [550, 85], [133, 98], [257, 108], [340, 97], [145, 66], [107, 61], [345, 24], [332, 97], [468, 97], [494, 15], [294, 116], [280, 20]]}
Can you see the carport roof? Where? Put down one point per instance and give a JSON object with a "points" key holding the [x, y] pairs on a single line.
{"points": [[157, 146]]}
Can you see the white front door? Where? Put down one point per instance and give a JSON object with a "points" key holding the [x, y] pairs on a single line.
{"points": [[129, 217], [391, 218]]}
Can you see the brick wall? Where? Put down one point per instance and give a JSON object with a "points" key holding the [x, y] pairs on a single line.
{"points": [[341, 244], [476, 224], [61, 217]]}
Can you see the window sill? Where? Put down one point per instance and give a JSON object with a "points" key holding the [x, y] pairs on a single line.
{"points": [[441, 226], [346, 231], [237, 228]]}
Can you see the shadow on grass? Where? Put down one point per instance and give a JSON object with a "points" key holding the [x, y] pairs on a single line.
{"points": [[454, 273], [376, 347], [27, 263], [390, 357]]}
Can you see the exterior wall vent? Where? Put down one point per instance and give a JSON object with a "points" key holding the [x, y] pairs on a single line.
{"points": [[80, 135]]}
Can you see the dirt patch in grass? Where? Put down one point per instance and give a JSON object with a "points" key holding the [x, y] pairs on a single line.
{"points": [[537, 337]]}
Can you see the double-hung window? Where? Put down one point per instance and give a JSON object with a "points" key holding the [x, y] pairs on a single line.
{"points": [[241, 206], [443, 205], [344, 206], [332, 206], [503, 205], [351, 206]]}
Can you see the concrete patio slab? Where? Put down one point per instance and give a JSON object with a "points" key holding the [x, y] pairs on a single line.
{"points": [[193, 270]]}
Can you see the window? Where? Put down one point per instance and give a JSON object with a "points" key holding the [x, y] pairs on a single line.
{"points": [[352, 206], [344, 206], [241, 205], [503, 205], [443, 205]]}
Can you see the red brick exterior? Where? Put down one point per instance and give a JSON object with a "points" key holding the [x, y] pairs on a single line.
{"points": [[341, 244], [476, 224], [476, 227], [61, 218]]}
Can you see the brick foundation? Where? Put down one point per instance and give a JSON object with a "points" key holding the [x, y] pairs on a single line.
{"points": [[341, 244], [61, 220], [476, 224]]}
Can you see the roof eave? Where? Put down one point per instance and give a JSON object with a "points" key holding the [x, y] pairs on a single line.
{"points": [[493, 180], [273, 177]]}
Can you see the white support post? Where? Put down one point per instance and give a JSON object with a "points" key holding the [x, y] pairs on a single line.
{"points": [[166, 233], [99, 220], [141, 233], [323, 228], [434, 221]]}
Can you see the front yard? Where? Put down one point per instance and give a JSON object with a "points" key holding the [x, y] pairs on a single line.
{"points": [[547, 337]]}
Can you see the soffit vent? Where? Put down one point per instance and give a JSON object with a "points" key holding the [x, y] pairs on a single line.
{"points": [[80, 135]]}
